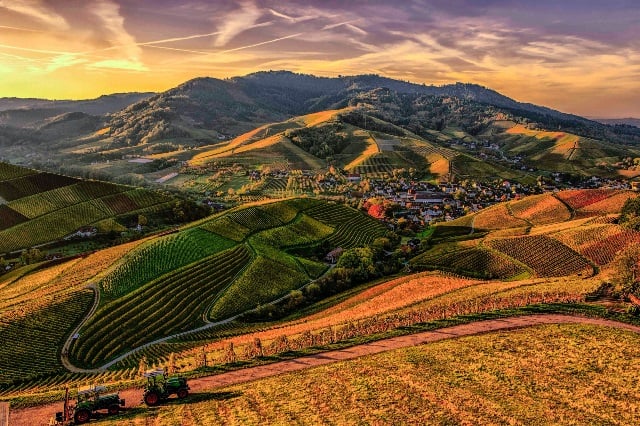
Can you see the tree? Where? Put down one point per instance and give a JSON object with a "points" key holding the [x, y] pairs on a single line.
{"points": [[630, 214], [627, 264]]}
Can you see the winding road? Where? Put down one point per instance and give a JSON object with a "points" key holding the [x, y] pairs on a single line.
{"points": [[40, 415]]}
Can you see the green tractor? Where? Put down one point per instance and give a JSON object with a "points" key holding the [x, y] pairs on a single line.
{"points": [[160, 387], [90, 401]]}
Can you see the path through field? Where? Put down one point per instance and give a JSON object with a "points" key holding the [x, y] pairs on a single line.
{"points": [[40, 415]]}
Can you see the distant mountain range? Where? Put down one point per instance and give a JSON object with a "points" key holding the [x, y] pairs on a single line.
{"points": [[621, 121], [205, 111]]}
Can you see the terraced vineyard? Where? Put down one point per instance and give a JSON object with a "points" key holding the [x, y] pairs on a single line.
{"points": [[599, 243], [304, 231], [357, 232], [44, 207], [497, 217], [579, 198], [546, 256], [264, 280], [160, 256], [31, 344], [254, 219], [376, 166], [176, 302], [474, 261], [540, 209]]}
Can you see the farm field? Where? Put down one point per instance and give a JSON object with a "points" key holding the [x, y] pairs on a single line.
{"points": [[501, 376], [44, 207], [237, 261]]}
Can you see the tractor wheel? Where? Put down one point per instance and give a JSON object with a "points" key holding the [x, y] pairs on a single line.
{"points": [[152, 399], [82, 416], [114, 409], [182, 393]]}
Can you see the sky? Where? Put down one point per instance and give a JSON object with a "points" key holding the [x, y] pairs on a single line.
{"points": [[577, 56]]}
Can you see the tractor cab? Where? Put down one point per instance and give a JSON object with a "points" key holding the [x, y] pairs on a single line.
{"points": [[90, 401], [159, 387]]}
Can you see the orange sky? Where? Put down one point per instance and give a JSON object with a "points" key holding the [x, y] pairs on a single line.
{"points": [[579, 56]]}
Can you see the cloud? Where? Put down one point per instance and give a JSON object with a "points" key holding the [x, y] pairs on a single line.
{"points": [[108, 12], [237, 22], [292, 19], [121, 64], [37, 10]]}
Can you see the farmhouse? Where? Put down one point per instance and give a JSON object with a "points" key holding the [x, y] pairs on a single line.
{"points": [[334, 255]]}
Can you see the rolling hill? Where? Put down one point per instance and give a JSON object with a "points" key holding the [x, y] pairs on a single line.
{"points": [[175, 287], [40, 207], [204, 114]]}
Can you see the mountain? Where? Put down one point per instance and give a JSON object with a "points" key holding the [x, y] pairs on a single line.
{"points": [[204, 114], [619, 121]]}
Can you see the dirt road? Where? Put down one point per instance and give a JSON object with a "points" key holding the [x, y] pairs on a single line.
{"points": [[40, 415]]}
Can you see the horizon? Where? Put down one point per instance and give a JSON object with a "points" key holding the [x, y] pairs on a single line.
{"points": [[578, 57]]}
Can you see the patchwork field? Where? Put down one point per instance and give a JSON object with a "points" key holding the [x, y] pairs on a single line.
{"points": [[44, 207]]}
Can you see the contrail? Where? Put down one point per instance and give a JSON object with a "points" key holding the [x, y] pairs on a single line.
{"points": [[177, 49], [27, 49], [6, 27], [261, 43]]}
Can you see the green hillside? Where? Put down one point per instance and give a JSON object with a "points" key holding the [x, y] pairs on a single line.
{"points": [[218, 269], [39, 207]]}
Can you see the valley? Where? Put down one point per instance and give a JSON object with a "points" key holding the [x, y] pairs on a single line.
{"points": [[231, 224]]}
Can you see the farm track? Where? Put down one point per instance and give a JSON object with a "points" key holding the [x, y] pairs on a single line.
{"points": [[40, 415]]}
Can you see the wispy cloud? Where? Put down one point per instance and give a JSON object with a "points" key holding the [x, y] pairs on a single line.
{"points": [[237, 22], [36, 10], [113, 24], [292, 19], [31, 30]]}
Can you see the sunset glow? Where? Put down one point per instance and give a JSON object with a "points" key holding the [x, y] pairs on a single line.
{"points": [[577, 56]]}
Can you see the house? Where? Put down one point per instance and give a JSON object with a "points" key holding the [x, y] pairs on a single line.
{"points": [[426, 197], [353, 177], [334, 255]]}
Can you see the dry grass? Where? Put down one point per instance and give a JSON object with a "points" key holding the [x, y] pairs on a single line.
{"points": [[552, 374], [370, 150], [314, 119]]}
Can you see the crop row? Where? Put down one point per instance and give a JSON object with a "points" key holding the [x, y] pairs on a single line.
{"points": [[32, 184], [425, 151], [471, 261], [254, 219], [274, 184], [30, 345], [301, 184], [9, 171], [49, 227], [358, 232], [540, 209], [305, 230], [284, 212], [176, 302], [332, 214], [263, 281], [497, 217], [160, 256], [610, 205], [226, 227], [10, 217], [546, 256], [579, 198], [601, 243]]}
